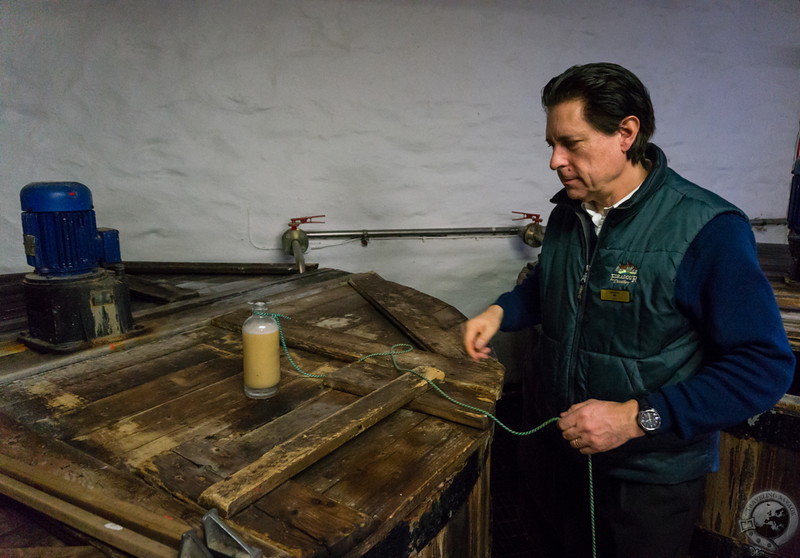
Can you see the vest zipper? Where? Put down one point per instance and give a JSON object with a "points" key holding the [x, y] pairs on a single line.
{"points": [[589, 254], [584, 278]]}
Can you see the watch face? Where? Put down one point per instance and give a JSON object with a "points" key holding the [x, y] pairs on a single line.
{"points": [[649, 420]]}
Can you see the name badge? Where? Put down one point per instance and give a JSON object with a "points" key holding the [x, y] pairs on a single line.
{"points": [[615, 295]]}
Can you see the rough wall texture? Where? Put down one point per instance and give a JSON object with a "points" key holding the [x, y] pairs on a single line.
{"points": [[203, 126]]}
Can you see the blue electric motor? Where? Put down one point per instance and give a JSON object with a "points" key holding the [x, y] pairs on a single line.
{"points": [[78, 294], [60, 234]]}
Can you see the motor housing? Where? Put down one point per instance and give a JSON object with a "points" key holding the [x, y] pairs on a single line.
{"points": [[77, 295]]}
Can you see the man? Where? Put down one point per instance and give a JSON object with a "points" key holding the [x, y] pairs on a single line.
{"points": [[658, 329]]}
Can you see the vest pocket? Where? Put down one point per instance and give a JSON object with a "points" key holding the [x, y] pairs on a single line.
{"points": [[611, 378]]}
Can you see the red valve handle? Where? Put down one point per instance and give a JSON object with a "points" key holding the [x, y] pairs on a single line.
{"points": [[535, 217], [295, 222]]}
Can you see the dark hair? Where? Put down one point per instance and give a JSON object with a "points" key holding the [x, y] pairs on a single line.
{"points": [[610, 93]]}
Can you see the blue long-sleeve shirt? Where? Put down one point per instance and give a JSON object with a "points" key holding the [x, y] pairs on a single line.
{"points": [[722, 290]]}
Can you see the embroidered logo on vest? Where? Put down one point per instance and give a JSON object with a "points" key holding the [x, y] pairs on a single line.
{"points": [[625, 274]]}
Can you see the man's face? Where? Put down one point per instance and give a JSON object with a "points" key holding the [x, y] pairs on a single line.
{"points": [[589, 163]]}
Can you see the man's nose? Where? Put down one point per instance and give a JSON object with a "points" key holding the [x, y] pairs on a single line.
{"points": [[557, 158]]}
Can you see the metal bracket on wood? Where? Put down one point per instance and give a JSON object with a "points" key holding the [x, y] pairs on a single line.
{"points": [[193, 547], [222, 541]]}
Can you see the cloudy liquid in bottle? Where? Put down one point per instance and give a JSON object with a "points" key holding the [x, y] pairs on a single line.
{"points": [[260, 354]]}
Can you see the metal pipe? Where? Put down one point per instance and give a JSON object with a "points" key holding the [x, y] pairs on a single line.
{"points": [[764, 222], [401, 233], [299, 259], [365, 235]]}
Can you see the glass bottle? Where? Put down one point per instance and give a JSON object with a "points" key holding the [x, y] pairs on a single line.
{"points": [[261, 353]]}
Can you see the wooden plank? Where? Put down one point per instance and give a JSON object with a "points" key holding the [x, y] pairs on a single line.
{"points": [[410, 311], [237, 293], [137, 399], [100, 384], [399, 480], [165, 529], [364, 378], [434, 447], [177, 475], [315, 306], [456, 511], [285, 460], [292, 542], [286, 287], [195, 465], [53, 552], [214, 268], [343, 309], [156, 291], [65, 461], [375, 445], [67, 401], [81, 371], [234, 448], [187, 479], [189, 468], [137, 438], [11, 347], [60, 459], [175, 318], [231, 432], [89, 523], [337, 526], [485, 376]]}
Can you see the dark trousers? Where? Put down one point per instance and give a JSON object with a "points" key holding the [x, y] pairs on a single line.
{"points": [[633, 520]]}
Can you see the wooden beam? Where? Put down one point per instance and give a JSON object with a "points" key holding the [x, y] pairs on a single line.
{"points": [[93, 525], [409, 311], [337, 526], [157, 291], [214, 268], [307, 447], [53, 552], [154, 525], [485, 377], [363, 378]]}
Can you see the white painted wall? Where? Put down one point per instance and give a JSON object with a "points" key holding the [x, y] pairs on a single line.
{"points": [[201, 127]]}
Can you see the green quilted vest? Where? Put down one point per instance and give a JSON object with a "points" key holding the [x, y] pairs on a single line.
{"points": [[611, 329]]}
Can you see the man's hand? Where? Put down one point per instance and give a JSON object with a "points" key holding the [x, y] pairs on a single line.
{"points": [[479, 330], [595, 426]]}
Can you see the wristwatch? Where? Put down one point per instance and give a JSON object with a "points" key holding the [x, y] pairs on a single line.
{"points": [[649, 420]]}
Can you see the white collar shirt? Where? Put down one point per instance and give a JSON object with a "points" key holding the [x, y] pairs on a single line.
{"points": [[599, 217]]}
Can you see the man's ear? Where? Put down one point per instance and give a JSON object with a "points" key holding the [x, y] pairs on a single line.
{"points": [[628, 130]]}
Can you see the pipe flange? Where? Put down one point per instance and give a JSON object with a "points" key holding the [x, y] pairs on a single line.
{"points": [[290, 236], [533, 234]]}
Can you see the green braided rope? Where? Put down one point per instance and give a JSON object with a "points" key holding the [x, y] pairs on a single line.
{"points": [[406, 348], [399, 349], [403, 348], [591, 509], [277, 318]]}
